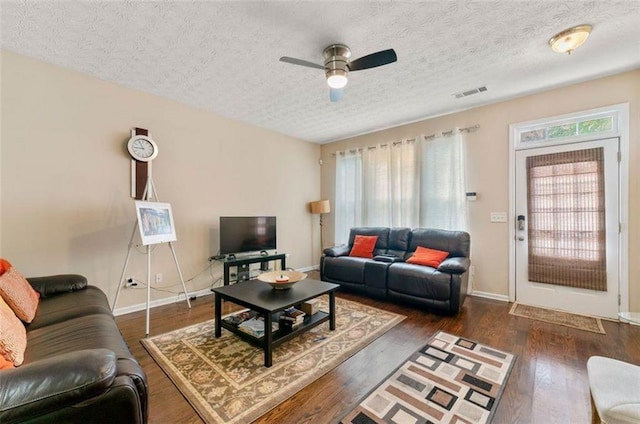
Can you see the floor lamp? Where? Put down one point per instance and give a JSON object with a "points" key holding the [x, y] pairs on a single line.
{"points": [[318, 208]]}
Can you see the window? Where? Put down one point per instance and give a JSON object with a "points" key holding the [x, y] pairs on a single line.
{"points": [[600, 123], [413, 183]]}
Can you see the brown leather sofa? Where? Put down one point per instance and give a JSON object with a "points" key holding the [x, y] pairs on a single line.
{"points": [[387, 275], [77, 367]]}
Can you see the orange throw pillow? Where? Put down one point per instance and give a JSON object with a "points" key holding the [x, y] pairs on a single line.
{"points": [[428, 257], [4, 266], [19, 294], [363, 246], [13, 337], [4, 364]]}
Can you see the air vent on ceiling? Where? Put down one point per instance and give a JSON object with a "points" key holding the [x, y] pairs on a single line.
{"points": [[470, 92]]}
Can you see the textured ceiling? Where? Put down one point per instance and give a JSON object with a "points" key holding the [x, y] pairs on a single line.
{"points": [[223, 56]]}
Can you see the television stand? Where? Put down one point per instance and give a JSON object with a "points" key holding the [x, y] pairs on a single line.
{"points": [[233, 261]]}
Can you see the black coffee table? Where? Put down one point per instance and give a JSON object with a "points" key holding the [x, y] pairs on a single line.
{"points": [[268, 302]]}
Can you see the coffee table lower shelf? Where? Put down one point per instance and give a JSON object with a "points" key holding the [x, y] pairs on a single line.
{"points": [[281, 335]]}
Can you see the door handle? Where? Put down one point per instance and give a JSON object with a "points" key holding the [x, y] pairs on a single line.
{"points": [[520, 222]]}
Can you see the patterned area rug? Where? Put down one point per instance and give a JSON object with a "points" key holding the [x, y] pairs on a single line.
{"points": [[225, 379], [450, 380], [581, 322]]}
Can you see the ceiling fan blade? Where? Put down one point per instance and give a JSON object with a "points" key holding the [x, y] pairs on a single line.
{"points": [[373, 60], [335, 94], [300, 62]]}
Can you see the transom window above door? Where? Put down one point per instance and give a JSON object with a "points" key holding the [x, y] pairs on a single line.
{"points": [[567, 130]]}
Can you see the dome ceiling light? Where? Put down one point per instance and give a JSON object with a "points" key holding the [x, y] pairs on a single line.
{"points": [[570, 39]]}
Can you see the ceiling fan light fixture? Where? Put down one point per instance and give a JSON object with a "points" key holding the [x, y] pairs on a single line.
{"points": [[337, 78], [570, 39]]}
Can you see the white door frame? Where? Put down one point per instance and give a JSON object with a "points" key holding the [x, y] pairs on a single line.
{"points": [[621, 130]]}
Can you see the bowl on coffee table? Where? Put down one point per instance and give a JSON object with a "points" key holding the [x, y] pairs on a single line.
{"points": [[282, 280]]}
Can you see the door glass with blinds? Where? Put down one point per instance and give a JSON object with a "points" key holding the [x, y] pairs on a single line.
{"points": [[565, 199], [567, 238]]}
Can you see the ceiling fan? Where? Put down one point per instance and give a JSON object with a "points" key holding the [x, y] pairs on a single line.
{"points": [[337, 65]]}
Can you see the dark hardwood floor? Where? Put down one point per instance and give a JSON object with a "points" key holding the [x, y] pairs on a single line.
{"points": [[548, 383]]}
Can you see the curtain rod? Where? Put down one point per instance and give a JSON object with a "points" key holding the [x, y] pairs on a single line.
{"points": [[469, 129], [451, 131]]}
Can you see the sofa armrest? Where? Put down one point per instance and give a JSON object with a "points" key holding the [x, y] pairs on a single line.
{"points": [[54, 284], [456, 265], [342, 250], [39, 387]]}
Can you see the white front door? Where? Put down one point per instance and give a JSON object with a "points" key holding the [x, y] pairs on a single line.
{"points": [[568, 227]]}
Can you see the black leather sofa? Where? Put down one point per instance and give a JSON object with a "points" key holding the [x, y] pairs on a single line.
{"points": [[387, 275], [77, 367]]}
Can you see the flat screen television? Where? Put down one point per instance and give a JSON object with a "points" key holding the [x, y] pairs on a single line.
{"points": [[240, 234]]}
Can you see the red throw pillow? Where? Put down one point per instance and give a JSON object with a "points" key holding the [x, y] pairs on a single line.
{"points": [[363, 246], [429, 257], [4, 266]]}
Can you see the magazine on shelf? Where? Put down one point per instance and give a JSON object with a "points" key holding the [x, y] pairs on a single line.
{"points": [[255, 326], [239, 318]]}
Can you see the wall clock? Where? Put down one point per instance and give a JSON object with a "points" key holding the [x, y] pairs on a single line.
{"points": [[142, 148]]}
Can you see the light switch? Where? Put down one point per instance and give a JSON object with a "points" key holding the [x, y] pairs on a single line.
{"points": [[498, 217]]}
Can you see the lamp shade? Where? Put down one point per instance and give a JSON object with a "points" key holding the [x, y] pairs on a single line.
{"points": [[320, 206]]}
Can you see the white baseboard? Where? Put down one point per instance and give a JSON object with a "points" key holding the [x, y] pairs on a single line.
{"points": [[487, 295], [180, 297], [159, 302], [309, 268]]}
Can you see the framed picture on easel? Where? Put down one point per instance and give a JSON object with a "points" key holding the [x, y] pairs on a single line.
{"points": [[155, 222]]}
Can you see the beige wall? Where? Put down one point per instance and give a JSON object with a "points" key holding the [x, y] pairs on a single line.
{"points": [[488, 164], [65, 177]]}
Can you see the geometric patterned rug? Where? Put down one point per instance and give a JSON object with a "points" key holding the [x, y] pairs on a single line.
{"points": [[225, 379], [567, 319], [450, 380]]}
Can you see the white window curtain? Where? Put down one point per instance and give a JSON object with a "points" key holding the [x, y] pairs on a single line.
{"points": [[443, 198], [413, 183], [391, 185], [348, 209]]}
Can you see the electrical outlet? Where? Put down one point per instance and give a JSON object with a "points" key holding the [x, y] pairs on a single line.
{"points": [[128, 282], [159, 277]]}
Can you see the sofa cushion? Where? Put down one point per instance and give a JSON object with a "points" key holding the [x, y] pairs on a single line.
{"points": [[455, 242], [399, 239], [13, 336], [345, 268], [87, 332], [427, 257], [19, 294], [419, 281], [64, 306], [615, 389], [363, 246]]}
